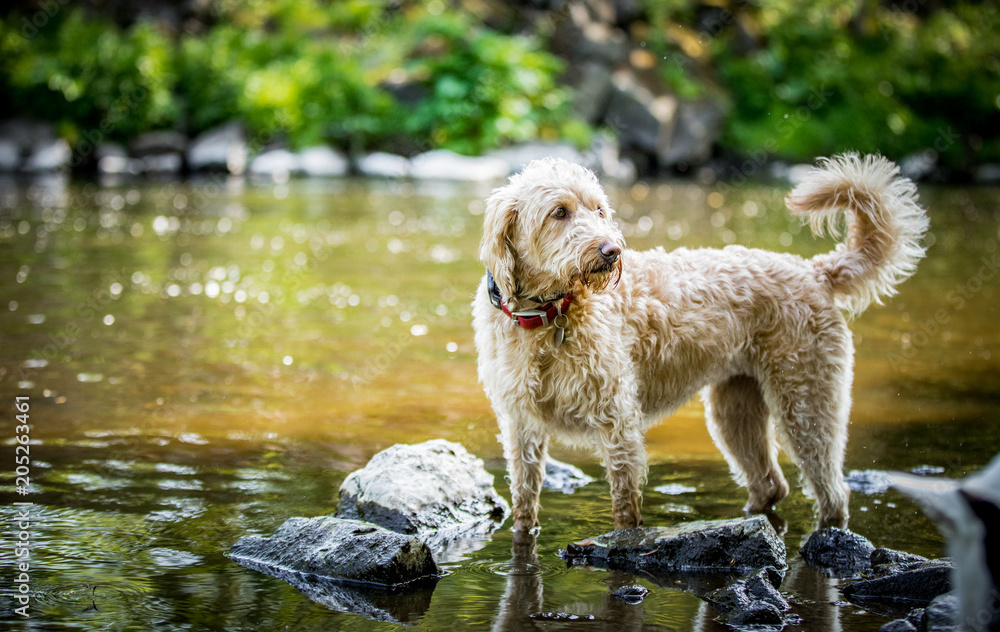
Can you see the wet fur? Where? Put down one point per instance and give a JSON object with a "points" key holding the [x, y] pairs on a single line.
{"points": [[762, 335]]}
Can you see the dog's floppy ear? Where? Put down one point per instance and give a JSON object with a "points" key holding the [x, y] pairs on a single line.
{"points": [[495, 250]]}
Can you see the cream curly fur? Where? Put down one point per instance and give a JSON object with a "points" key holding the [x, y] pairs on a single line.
{"points": [[762, 335]]}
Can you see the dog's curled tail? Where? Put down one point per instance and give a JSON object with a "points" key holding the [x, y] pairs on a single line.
{"points": [[885, 226]]}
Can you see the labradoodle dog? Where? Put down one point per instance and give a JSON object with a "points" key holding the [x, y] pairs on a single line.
{"points": [[583, 340]]}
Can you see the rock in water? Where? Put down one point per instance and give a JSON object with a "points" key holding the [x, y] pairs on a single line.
{"points": [[346, 565], [346, 550], [436, 490], [753, 600], [838, 551], [727, 546], [914, 585], [564, 477]]}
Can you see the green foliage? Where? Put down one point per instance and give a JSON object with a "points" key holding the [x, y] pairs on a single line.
{"points": [[89, 75], [304, 70], [486, 89], [279, 84], [830, 76]]}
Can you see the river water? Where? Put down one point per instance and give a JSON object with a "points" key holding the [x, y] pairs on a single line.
{"points": [[200, 361]]}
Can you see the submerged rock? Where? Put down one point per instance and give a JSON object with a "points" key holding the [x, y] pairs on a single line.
{"points": [[908, 586], [435, 489], [344, 550], [838, 551], [719, 546], [752, 600], [564, 477], [868, 481], [346, 565], [631, 594]]}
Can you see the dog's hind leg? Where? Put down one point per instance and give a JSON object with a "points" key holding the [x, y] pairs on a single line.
{"points": [[814, 409], [738, 421], [525, 452], [623, 452]]}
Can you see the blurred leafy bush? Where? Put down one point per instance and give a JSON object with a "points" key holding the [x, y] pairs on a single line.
{"points": [[88, 74], [307, 71], [807, 79], [485, 89]]}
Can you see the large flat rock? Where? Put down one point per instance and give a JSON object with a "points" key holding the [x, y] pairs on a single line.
{"points": [[337, 549], [713, 546]]}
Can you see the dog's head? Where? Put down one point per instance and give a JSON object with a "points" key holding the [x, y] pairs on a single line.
{"points": [[548, 229]]}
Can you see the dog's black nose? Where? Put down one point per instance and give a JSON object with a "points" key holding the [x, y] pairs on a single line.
{"points": [[610, 251]]}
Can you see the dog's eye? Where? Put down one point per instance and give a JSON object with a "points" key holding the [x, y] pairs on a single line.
{"points": [[600, 211], [560, 213]]}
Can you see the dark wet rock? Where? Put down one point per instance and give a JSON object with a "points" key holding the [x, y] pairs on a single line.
{"points": [[868, 481], [752, 600], [323, 162], [564, 477], [916, 618], [158, 143], [518, 156], [943, 614], [402, 604], [343, 550], [882, 558], [898, 625], [435, 489], [913, 585], [51, 155], [631, 594], [714, 546], [222, 148], [760, 614], [275, 163], [10, 155], [383, 165], [441, 164], [838, 551]]}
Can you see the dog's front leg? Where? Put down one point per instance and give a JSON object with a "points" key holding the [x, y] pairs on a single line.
{"points": [[525, 452], [624, 453]]}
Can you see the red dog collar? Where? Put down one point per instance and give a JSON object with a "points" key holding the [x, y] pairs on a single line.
{"points": [[531, 318], [535, 318]]}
